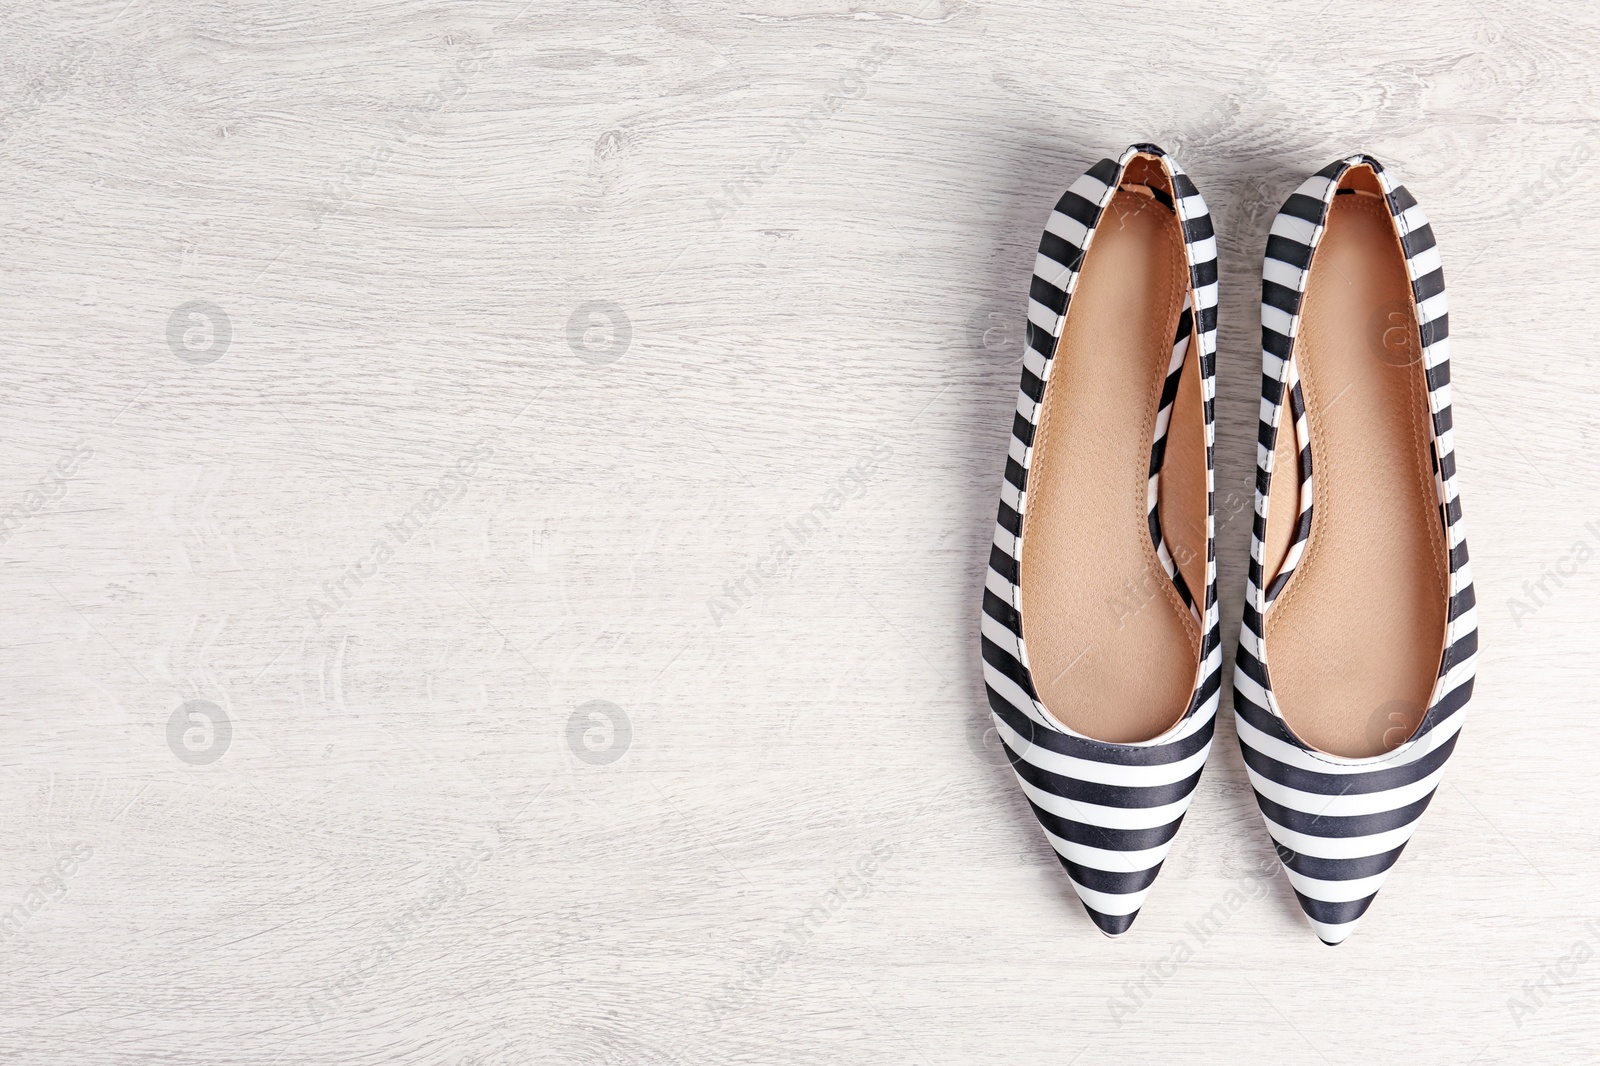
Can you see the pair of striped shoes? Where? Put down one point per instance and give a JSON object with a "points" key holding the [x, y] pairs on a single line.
{"points": [[1101, 643]]}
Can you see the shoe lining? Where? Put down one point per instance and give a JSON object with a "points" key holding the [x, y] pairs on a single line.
{"points": [[1353, 640], [1112, 648]]}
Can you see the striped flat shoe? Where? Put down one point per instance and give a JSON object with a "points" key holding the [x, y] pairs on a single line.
{"points": [[1357, 651], [1101, 646]]}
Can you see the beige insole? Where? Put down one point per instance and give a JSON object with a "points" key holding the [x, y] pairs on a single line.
{"points": [[1353, 641], [1112, 648]]}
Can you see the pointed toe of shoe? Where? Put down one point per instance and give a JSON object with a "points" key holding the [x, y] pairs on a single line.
{"points": [[1112, 925], [1332, 935], [1334, 922], [1112, 900]]}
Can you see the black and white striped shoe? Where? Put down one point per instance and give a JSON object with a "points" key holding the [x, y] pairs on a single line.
{"points": [[1107, 708], [1357, 651]]}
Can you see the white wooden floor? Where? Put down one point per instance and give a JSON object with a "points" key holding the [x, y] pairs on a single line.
{"points": [[496, 498]]}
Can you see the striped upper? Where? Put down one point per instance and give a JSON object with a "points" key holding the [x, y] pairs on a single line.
{"points": [[1340, 824], [1109, 810]]}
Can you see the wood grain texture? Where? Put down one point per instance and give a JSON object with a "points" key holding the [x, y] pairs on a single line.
{"points": [[580, 513]]}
